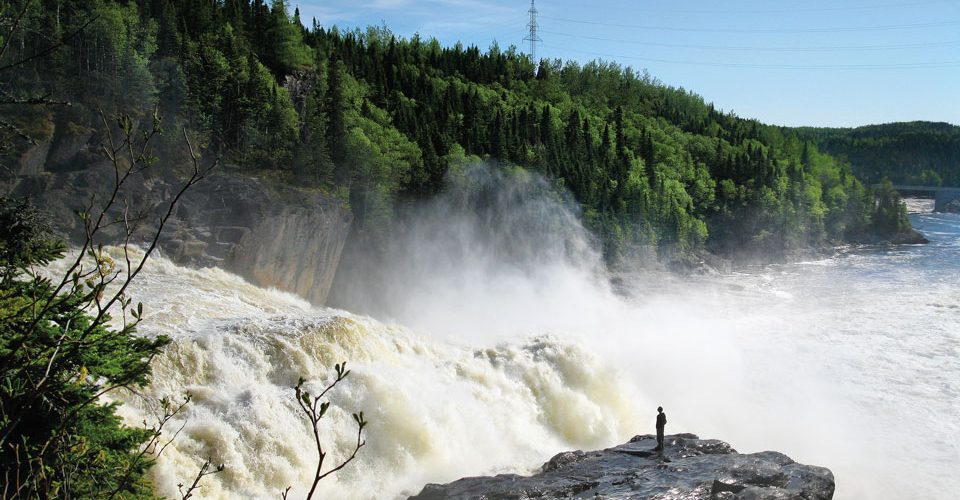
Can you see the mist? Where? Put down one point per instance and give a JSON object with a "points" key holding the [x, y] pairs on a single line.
{"points": [[752, 358], [499, 252], [499, 342]]}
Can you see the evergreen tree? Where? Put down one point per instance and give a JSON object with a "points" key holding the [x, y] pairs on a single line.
{"points": [[336, 128]]}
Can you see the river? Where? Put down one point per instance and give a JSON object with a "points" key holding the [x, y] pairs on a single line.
{"points": [[850, 362]]}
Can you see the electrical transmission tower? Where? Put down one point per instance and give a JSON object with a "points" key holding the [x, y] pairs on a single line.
{"points": [[533, 37]]}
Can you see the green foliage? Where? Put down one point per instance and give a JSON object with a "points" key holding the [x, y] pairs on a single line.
{"points": [[917, 153], [890, 217], [380, 120], [24, 239], [57, 438], [285, 51]]}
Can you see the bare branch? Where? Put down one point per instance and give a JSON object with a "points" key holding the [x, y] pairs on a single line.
{"points": [[93, 226], [150, 448], [314, 409], [14, 28], [360, 444], [35, 100], [63, 41], [16, 131], [198, 175], [205, 471], [40, 308]]}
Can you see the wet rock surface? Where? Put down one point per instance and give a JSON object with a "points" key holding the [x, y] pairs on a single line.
{"points": [[271, 234], [952, 207], [688, 468]]}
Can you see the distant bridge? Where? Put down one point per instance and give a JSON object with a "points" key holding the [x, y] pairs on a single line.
{"points": [[941, 195]]}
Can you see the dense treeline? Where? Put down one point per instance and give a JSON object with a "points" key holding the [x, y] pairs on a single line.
{"points": [[378, 120], [917, 153]]}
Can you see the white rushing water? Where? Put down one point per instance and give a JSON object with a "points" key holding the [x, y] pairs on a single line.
{"points": [[438, 409], [849, 362]]}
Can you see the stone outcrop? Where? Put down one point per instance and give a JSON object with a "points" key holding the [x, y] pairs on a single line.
{"points": [[911, 237], [295, 249], [33, 158], [688, 468], [272, 234], [952, 207]]}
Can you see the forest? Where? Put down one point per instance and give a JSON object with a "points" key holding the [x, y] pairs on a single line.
{"points": [[915, 153], [377, 121]]}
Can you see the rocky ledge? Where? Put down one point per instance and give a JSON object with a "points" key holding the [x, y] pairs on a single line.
{"points": [[272, 234], [952, 207], [688, 468]]}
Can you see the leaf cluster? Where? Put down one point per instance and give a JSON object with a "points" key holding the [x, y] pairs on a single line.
{"points": [[57, 360], [59, 353]]}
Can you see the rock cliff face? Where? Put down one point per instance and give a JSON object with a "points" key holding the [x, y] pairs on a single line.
{"points": [[296, 249], [952, 207], [688, 468], [275, 236]]}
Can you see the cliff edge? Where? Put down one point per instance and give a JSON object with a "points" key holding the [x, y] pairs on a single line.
{"points": [[273, 234], [688, 468]]}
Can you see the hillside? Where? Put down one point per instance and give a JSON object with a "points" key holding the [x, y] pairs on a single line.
{"points": [[378, 122], [919, 153]]}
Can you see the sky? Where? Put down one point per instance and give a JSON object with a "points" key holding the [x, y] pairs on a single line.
{"points": [[835, 63]]}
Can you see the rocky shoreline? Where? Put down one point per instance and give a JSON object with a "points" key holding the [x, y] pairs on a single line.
{"points": [[688, 468]]}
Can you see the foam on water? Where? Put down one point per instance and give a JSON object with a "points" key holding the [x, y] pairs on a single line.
{"points": [[852, 363], [439, 410], [853, 366], [876, 334]]}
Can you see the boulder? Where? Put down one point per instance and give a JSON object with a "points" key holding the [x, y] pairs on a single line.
{"points": [[33, 159], [688, 467], [909, 237], [69, 141], [953, 207]]}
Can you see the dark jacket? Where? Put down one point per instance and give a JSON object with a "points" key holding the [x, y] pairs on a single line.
{"points": [[661, 420]]}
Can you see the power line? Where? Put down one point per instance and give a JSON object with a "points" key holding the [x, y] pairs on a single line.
{"points": [[533, 37], [762, 49], [806, 9], [919, 65], [496, 26], [767, 30]]}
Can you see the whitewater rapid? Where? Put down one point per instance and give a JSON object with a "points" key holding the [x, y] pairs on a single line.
{"points": [[849, 362], [497, 361], [438, 409]]}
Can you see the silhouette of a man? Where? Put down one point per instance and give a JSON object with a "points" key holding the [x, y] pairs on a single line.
{"points": [[661, 423]]}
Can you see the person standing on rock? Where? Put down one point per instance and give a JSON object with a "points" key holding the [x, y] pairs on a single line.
{"points": [[661, 423]]}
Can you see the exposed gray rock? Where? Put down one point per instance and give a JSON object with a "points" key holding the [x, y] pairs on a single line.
{"points": [[32, 160], [952, 207], [688, 468], [69, 141], [295, 249], [299, 86], [910, 237], [274, 235]]}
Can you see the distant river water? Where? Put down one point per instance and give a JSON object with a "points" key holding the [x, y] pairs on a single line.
{"points": [[850, 362]]}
